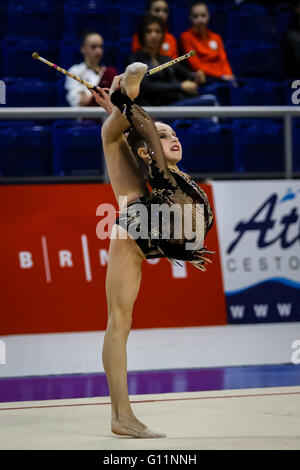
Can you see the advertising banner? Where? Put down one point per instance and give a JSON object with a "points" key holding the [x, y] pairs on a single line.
{"points": [[53, 267], [259, 236]]}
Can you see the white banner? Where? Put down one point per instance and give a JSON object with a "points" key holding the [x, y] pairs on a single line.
{"points": [[259, 232]]}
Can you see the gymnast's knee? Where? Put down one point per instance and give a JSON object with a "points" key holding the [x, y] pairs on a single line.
{"points": [[119, 319]]}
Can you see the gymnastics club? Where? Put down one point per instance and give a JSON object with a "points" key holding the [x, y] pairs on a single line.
{"points": [[36, 56]]}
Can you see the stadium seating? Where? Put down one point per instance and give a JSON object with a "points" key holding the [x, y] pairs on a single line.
{"points": [[258, 92], [61, 93], [283, 18], [3, 25], [30, 92], [94, 15], [128, 23], [292, 91], [251, 34], [296, 144], [249, 22], [222, 90], [207, 146], [258, 145], [77, 148], [254, 59], [69, 52], [179, 18], [124, 52], [25, 150], [17, 58], [30, 18]]}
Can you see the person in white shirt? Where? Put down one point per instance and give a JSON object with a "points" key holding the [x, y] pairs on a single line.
{"points": [[91, 70]]}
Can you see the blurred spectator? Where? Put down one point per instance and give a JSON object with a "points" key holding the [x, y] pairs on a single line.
{"points": [[92, 49], [169, 47], [291, 45], [211, 59], [174, 85]]}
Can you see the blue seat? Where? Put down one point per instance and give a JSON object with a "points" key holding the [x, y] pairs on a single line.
{"points": [[250, 22], [3, 22], [69, 52], [77, 148], [142, 4], [220, 3], [292, 93], [179, 18], [124, 48], [30, 92], [258, 92], [17, 58], [25, 150], [296, 145], [254, 59], [283, 18], [94, 15], [34, 19], [218, 19], [110, 56], [61, 93], [129, 22], [258, 146], [207, 146], [221, 90]]}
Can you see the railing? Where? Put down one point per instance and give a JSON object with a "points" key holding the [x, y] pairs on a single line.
{"points": [[174, 112]]}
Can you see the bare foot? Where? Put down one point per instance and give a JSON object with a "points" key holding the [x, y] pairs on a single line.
{"points": [[131, 79], [133, 428]]}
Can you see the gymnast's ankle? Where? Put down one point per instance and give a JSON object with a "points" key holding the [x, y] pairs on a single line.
{"points": [[122, 102]]}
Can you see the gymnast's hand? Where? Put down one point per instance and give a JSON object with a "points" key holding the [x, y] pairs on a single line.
{"points": [[116, 84], [102, 99]]}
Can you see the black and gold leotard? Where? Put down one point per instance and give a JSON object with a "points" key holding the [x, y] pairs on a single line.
{"points": [[166, 235]]}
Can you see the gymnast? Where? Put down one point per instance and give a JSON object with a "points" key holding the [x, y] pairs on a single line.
{"points": [[141, 158]]}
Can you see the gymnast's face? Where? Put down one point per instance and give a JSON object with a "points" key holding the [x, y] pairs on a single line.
{"points": [[171, 146], [170, 143]]}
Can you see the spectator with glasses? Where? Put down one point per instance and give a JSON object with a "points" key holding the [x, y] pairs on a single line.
{"points": [[160, 9]]}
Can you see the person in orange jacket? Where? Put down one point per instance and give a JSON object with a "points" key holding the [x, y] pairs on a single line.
{"points": [[169, 46], [211, 61]]}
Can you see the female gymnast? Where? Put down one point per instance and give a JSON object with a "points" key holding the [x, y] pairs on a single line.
{"points": [[135, 146]]}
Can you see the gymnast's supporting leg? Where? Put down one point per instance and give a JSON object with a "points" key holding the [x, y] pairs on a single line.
{"points": [[122, 286]]}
